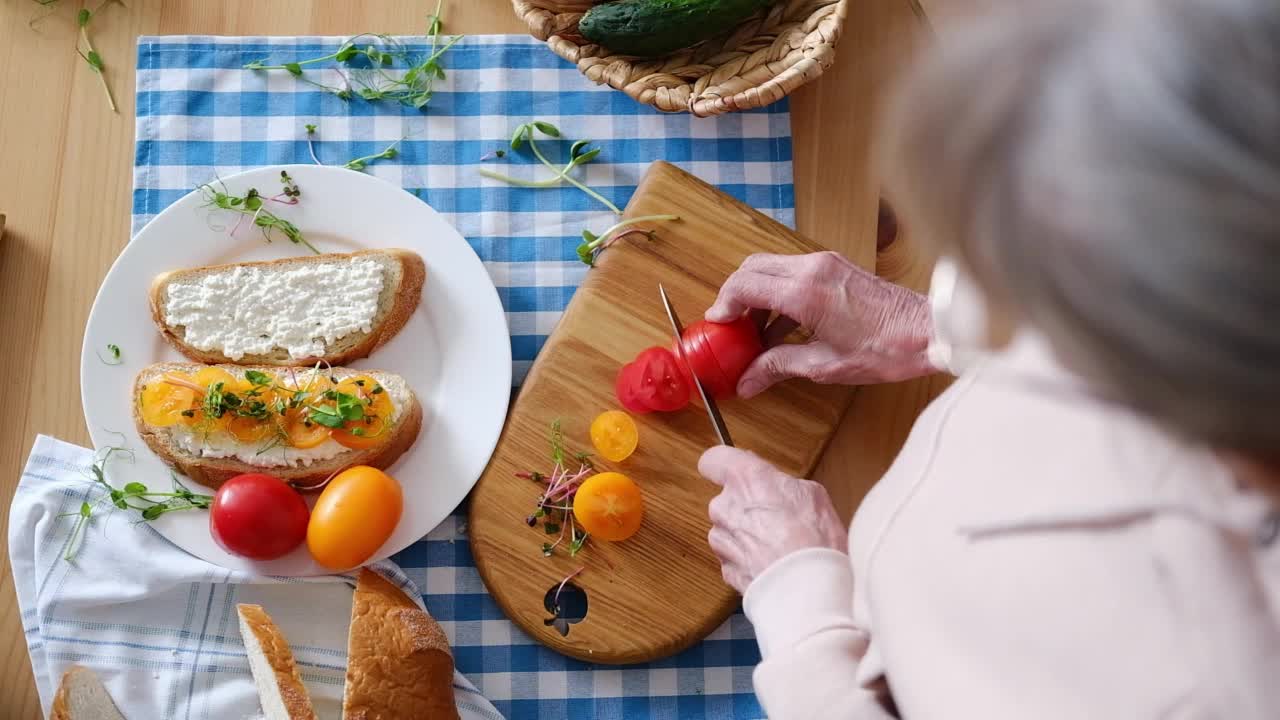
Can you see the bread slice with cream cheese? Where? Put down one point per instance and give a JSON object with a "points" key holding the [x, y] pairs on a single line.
{"points": [[331, 308], [211, 455], [398, 660], [275, 673]]}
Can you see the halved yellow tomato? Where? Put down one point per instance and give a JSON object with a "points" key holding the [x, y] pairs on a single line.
{"points": [[301, 432], [614, 435], [162, 404], [248, 429], [609, 506]]}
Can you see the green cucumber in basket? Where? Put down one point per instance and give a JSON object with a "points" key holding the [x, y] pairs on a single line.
{"points": [[650, 28]]}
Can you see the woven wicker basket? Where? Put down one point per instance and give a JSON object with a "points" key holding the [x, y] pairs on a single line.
{"points": [[759, 62]]}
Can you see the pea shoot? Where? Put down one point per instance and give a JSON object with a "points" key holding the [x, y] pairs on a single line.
{"points": [[133, 496], [592, 244], [113, 352], [252, 205], [580, 153], [388, 153], [367, 64], [89, 54]]}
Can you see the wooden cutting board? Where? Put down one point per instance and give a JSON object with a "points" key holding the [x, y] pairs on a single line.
{"points": [[660, 591]]}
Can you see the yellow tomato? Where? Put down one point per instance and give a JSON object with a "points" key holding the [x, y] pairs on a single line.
{"points": [[609, 506], [354, 516], [302, 433], [162, 404], [615, 436], [366, 432]]}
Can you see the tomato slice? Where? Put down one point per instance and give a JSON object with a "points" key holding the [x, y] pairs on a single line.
{"points": [[626, 388], [614, 435], [301, 432], [662, 385], [361, 434]]}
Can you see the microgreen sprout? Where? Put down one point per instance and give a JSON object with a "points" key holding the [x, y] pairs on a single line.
{"points": [[89, 54], [133, 496], [592, 244], [579, 154], [555, 505], [113, 351], [388, 153], [252, 205], [555, 601], [367, 63]]}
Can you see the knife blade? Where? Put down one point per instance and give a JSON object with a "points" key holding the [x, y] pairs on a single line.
{"points": [[713, 411]]}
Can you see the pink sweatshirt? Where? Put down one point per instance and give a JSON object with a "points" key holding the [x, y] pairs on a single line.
{"points": [[1033, 553]]}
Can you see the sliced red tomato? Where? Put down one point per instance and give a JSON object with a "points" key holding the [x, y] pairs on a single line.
{"points": [[719, 353], [627, 389], [662, 384]]}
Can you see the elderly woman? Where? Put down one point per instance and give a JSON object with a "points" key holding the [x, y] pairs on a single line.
{"points": [[1083, 525]]}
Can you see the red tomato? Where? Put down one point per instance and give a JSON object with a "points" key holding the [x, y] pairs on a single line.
{"points": [[258, 516], [626, 388], [718, 353], [655, 381]]}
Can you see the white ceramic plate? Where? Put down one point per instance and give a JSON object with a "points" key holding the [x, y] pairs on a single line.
{"points": [[455, 351]]}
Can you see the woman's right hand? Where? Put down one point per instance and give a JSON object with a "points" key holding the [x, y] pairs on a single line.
{"points": [[863, 329]]}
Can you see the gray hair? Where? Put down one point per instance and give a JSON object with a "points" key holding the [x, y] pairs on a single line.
{"points": [[1110, 173]]}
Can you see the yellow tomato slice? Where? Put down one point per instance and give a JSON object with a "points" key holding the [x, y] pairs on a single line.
{"points": [[162, 404], [614, 435], [249, 430], [302, 433], [609, 506], [361, 434]]}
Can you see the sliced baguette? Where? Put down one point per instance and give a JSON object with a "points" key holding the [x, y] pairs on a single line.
{"points": [[280, 688], [82, 696], [403, 276], [213, 471], [398, 660]]}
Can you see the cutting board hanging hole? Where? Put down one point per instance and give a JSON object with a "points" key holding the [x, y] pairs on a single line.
{"points": [[569, 608]]}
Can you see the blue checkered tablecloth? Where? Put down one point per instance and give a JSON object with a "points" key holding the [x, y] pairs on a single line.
{"points": [[201, 115]]}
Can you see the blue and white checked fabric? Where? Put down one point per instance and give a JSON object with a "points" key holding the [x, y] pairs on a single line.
{"points": [[200, 114]]}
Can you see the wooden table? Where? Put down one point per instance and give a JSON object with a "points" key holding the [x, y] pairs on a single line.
{"points": [[67, 182]]}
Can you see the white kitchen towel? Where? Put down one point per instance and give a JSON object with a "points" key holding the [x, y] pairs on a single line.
{"points": [[156, 624]]}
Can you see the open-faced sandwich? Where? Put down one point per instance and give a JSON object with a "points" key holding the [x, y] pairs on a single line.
{"points": [[331, 308], [213, 422]]}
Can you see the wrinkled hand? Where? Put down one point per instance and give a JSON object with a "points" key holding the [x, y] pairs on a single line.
{"points": [[762, 515], [864, 329]]}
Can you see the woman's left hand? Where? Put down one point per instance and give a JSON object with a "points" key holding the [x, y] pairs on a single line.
{"points": [[762, 515]]}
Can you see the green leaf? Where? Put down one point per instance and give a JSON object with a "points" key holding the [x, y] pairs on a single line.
{"points": [[589, 236], [153, 512], [547, 128], [348, 406], [587, 156], [421, 99], [257, 378], [94, 60], [435, 25], [576, 149], [345, 53], [586, 255], [517, 138], [85, 510], [386, 60], [294, 68], [325, 416], [547, 550], [370, 93], [390, 153], [135, 488], [253, 202], [117, 499], [82, 17], [311, 129]]}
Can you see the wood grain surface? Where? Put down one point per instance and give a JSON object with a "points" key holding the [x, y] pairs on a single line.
{"points": [[68, 177], [660, 591]]}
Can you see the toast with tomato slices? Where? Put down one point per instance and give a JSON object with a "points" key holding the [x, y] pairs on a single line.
{"points": [[213, 422], [331, 308]]}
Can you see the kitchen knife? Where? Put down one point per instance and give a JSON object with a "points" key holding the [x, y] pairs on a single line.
{"points": [[717, 421]]}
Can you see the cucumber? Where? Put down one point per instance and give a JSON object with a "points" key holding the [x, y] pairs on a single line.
{"points": [[650, 28]]}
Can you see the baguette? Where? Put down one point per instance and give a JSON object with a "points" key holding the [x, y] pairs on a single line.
{"points": [[193, 452], [275, 673], [82, 696], [398, 660], [294, 311]]}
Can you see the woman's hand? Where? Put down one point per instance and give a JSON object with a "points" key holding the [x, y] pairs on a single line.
{"points": [[864, 329], [762, 515]]}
